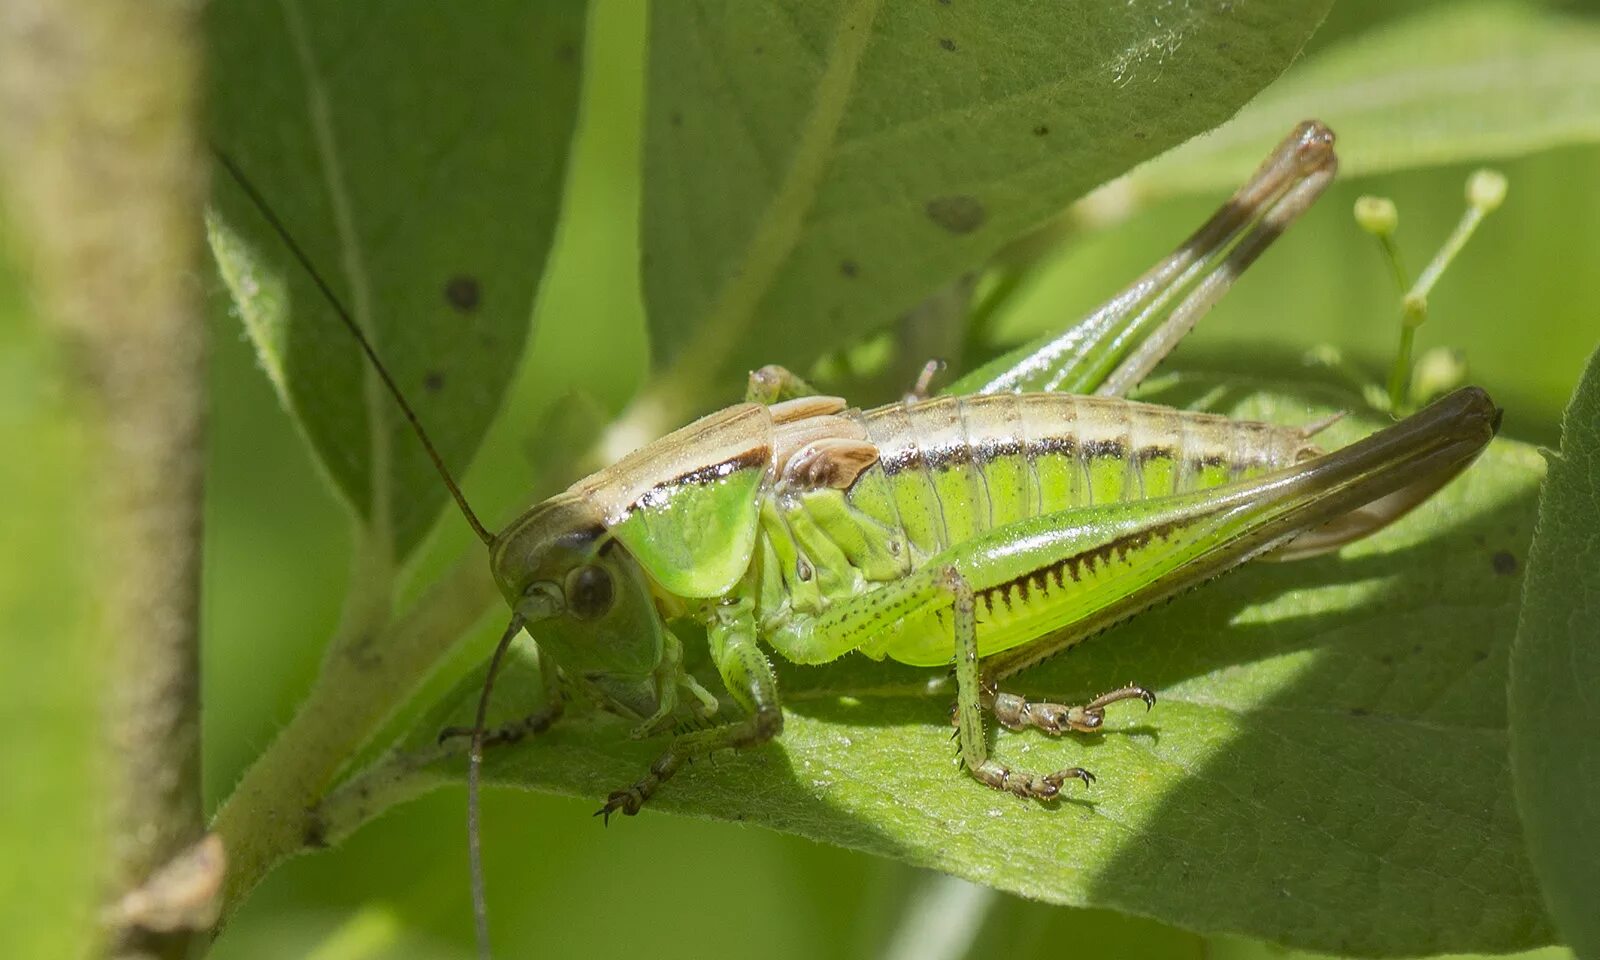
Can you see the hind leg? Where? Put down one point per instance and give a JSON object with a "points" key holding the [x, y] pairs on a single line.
{"points": [[969, 709], [1017, 712]]}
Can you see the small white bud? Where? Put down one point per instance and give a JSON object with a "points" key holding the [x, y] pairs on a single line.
{"points": [[1486, 189], [1377, 215]]}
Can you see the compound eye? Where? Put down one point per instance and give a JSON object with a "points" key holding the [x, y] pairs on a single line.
{"points": [[589, 592]]}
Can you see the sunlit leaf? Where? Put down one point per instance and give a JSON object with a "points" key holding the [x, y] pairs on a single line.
{"points": [[1326, 768]]}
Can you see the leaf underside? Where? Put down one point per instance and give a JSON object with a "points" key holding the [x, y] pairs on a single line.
{"points": [[1326, 766], [814, 169], [418, 156], [1555, 709]]}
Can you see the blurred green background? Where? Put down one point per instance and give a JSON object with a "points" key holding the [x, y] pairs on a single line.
{"points": [[1523, 302]]}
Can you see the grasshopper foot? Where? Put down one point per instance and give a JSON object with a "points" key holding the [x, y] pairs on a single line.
{"points": [[1029, 785], [763, 725], [629, 801], [1018, 713], [533, 724]]}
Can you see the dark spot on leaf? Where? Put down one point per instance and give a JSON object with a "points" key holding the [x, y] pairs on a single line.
{"points": [[760, 49], [1504, 563], [849, 268], [433, 381], [1139, 134], [675, 118], [947, 44], [958, 214], [566, 53], [463, 293], [1478, 656], [1385, 659], [1041, 130], [315, 836], [1360, 712]]}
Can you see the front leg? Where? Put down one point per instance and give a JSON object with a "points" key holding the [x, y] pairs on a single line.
{"points": [[670, 677], [552, 705], [747, 674]]}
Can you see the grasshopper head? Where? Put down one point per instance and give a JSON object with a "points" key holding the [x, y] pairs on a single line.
{"points": [[585, 598]]}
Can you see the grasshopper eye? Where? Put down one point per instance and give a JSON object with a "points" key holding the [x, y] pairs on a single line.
{"points": [[589, 592]]}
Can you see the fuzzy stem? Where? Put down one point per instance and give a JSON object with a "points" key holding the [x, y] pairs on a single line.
{"points": [[98, 105], [271, 815]]}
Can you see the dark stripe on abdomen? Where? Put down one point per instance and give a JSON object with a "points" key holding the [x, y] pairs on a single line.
{"points": [[956, 467]]}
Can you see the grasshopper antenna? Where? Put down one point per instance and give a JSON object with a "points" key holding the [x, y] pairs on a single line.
{"points": [[480, 907], [339, 308], [480, 902]]}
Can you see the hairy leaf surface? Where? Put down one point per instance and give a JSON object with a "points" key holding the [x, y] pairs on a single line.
{"points": [[814, 169]]}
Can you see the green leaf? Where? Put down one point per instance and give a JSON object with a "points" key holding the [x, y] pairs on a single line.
{"points": [[418, 156], [1240, 948], [812, 170], [1555, 673], [1457, 83], [1326, 767]]}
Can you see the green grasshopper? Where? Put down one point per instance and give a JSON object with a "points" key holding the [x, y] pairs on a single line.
{"points": [[987, 530]]}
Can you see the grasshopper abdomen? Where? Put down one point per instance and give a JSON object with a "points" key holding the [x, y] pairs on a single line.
{"points": [[953, 468]]}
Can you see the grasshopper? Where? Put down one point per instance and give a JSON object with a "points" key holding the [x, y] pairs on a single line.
{"points": [[984, 530]]}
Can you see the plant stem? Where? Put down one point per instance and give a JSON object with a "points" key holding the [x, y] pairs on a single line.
{"points": [[374, 667], [367, 677], [98, 101]]}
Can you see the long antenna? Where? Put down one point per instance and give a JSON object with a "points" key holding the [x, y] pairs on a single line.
{"points": [[361, 338], [480, 902]]}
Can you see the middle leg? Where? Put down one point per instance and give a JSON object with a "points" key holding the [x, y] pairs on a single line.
{"points": [[748, 677]]}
